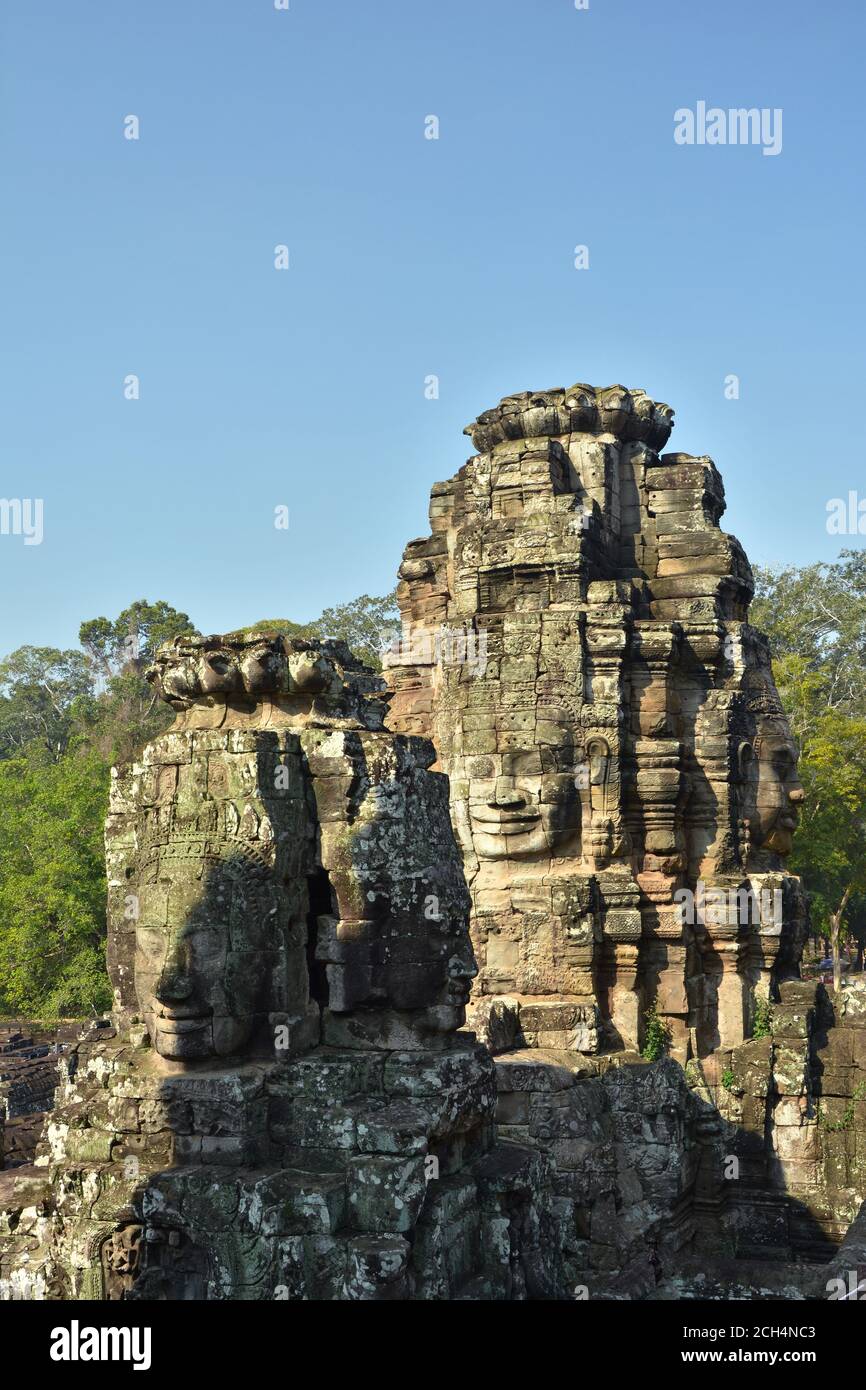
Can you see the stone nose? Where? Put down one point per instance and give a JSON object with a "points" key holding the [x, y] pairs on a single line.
{"points": [[461, 969], [797, 796], [506, 796], [174, 985]]}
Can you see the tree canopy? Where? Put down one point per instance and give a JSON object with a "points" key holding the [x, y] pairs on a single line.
{"points": [[815, 617], [367, 624]]}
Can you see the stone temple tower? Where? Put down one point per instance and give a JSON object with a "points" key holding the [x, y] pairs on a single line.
{"points": [[623, 779]]}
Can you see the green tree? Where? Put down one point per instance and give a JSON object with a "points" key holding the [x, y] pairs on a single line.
{"points": [[815, 617], [42, 690], [52, 886], [124, 713], [65, 716], [285, 626], [830, 847], [130, 641], [367, 625]]}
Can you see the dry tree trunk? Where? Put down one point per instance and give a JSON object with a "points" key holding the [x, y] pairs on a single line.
{"points": [[835, 930]]}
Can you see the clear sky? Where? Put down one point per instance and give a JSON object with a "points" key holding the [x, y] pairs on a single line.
{"points": [[409, 257]]}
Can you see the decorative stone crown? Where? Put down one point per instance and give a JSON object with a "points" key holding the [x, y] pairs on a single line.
{"points": [[159, 848], [627, 414], [253, 666]]}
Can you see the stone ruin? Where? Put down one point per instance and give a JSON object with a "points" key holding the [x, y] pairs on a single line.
{"points": [[623, 778], [287, 1102], [28, 1081]]}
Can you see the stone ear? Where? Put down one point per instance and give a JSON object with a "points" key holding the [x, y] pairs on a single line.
{"points": [[598, 756], [745, 760]]}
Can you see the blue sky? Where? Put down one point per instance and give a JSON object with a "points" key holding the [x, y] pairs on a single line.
{"points": [[408, 257]]}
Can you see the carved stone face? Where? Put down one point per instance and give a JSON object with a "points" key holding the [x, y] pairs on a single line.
{"points": [[773, 791], [435, 976], [415, 959], [204, 958], [420, 988], [525, 804], [779, 790]]}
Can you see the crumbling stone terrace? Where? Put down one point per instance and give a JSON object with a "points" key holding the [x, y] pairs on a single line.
{"points": [[28, 1081]]}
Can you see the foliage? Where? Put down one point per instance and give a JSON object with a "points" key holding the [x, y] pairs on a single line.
{"points": [[52, 885], [848, 1114], [64, 718], [657, 1036], [366, 624], [728, 1079], [762, 1019], [816, 614], [285, 626], [41, 690], [122, 713], [815, 617], [131, 640], [118, 722]]}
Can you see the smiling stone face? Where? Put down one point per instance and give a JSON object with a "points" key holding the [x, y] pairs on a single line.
{"points": [[623, 737], [773, 792], [519, 808], [431, 970]]}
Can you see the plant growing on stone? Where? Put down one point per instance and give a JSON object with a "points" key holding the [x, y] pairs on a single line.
{"points": [[847, 1120], [762, 1025], [657, 1036]]}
